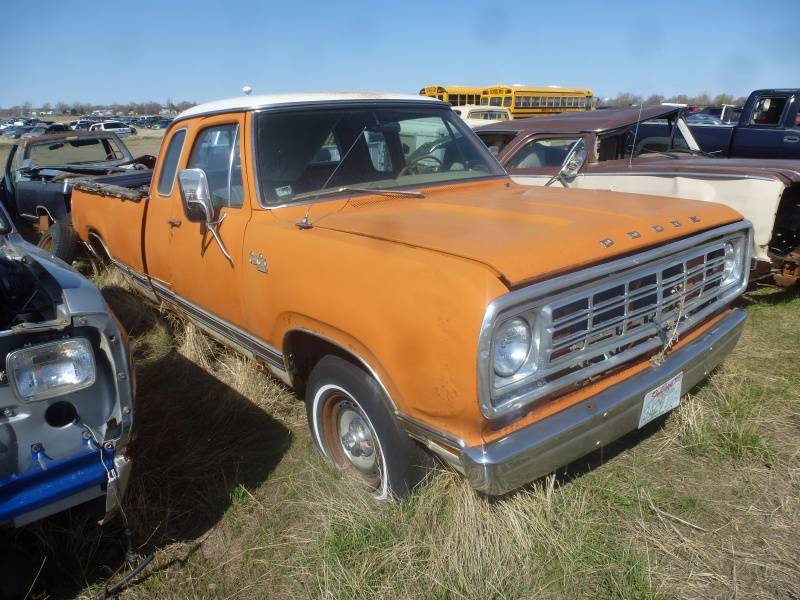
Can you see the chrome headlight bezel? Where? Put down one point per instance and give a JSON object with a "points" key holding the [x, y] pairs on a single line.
{"points": [[21, 365]]}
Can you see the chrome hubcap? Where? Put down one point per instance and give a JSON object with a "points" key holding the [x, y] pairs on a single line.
{"points": [[357, 440]]}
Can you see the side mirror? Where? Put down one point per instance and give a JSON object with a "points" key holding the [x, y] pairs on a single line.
{"points": [[572, 164], [195, 195]]}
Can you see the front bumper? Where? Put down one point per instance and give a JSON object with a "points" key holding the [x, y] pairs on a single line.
{"points": [[555, 441]]}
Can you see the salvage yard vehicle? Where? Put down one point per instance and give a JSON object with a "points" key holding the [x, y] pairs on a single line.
{"points": [[117, 127], [424, 300], [39, 173], [476, 115], [768, 127], [66, 398], [652, 151]]}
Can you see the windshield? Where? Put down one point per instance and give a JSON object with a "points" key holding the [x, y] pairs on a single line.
{"points": [[73, 152], [301, 152]]}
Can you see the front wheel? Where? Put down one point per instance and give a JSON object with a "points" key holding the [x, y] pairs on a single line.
{"points": [[351, 423]]}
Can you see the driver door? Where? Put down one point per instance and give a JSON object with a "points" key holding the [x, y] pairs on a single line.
{"points": [[202, 274]]}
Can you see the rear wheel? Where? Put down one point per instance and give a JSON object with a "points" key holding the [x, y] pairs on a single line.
{"points": [[352, 425], [60, 240]]}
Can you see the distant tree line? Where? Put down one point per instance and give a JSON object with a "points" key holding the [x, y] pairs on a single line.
{"points": [[704, 99], [84, 108]]}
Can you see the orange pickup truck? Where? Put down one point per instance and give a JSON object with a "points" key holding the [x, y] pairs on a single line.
{"points": [[372, 252]]}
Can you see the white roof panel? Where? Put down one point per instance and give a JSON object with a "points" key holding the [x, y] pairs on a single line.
{"points": [[268, 100]]}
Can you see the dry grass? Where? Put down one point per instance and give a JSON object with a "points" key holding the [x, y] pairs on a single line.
{"points": [[230, 493]]}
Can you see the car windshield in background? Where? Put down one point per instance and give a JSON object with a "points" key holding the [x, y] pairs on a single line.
{"points": [[301, 152], [654, 136], [73, 152]]}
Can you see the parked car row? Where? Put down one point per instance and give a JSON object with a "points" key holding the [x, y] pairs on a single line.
{"points": [[16, 129], [556, 318]]}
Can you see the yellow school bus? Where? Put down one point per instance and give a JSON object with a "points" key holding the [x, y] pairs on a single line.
{"points": [[524, 101], [456, 95]]}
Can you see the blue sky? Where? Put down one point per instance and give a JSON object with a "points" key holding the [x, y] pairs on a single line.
{"points": [[106, 51]]}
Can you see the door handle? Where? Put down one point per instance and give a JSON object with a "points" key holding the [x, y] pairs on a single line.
{"points": [[174, 222], [791, 139]]}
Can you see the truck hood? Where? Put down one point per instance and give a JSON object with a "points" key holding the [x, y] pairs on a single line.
{"points": [[787, 171], [526, 233]]}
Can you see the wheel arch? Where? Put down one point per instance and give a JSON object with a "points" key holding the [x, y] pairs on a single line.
{"points": [[94, 242], [303, 348]]}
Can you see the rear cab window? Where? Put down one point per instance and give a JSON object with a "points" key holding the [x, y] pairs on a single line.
{"points": [[166, 178]]}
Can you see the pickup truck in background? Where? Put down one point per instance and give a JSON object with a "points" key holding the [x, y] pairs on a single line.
{"points": [[414, 294], [769, 127], [66, 396], [39, 172]]}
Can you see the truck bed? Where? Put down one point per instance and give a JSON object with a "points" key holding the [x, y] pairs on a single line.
{"points": [[117, 205], [127, 186]]}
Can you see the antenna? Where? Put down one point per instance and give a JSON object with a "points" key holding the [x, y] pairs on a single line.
{"points": [[635, 134], [247, 90], [304, 223]]}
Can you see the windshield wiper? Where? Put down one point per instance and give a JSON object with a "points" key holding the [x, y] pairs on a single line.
{"points": [[349, 188]]}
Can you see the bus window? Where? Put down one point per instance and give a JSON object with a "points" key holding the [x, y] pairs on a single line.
{"points": [[507, 101], [484, 101]]}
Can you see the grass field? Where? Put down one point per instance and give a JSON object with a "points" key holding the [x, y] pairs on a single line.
{"points": [[230, 494]]}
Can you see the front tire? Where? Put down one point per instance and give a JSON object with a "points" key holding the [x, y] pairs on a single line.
{"points": [[351, 423]]}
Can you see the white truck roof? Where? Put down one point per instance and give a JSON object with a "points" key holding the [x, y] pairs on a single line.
{"points": [[268, 100]]}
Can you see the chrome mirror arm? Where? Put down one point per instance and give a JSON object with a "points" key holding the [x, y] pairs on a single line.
{"points": [[213, 227]]}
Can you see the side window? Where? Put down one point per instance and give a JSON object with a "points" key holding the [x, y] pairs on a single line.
{"points": [[216, 151], [549, 152], [768, 111], [167, 176]]}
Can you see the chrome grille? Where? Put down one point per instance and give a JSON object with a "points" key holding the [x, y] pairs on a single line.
{"points": [[621, 315], [588, 322]]}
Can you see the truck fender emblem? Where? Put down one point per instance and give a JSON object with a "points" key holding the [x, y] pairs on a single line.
{"points": [[258, 261], [607, 243]]}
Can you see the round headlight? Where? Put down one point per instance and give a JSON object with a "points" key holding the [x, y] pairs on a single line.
{"points": [[733, 262], [512, 341]]}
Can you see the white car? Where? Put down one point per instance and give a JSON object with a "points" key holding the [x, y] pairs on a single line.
{"points": [[117, 127], [476, 115]]}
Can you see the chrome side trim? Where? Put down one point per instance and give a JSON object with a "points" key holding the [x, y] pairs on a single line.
{"points": [[555, 441], [424, 432], [215, 325], [672, 174], [524, 296]]}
